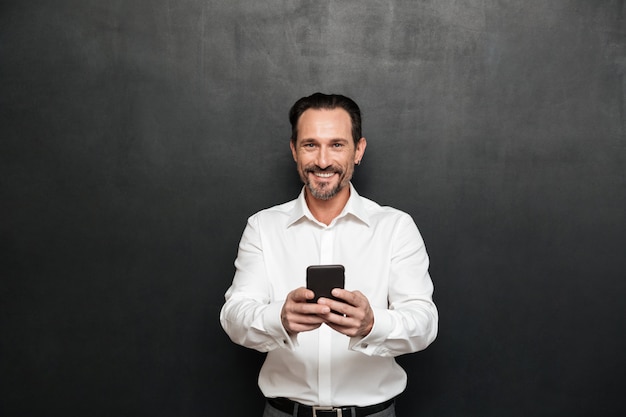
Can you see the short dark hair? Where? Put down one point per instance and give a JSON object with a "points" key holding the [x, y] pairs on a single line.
{"points": [[320, 101]]}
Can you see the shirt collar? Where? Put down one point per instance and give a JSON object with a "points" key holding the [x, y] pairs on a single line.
{"points": [[354, 207]]}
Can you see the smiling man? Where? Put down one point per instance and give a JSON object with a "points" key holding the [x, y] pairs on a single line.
{"points": [[320, 363], [325, 152]]}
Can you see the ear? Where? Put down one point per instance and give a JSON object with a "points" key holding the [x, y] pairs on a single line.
{"points": [[293, 150], [360, 150]]}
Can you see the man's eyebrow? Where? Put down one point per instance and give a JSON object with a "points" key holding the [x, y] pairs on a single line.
{"points": [[333, 140]]}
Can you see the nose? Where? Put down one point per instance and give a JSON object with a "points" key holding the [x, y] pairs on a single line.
{"points": [[323, 158]]}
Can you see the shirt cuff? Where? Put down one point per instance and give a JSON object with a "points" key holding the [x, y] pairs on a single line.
{"points": [[274, 327], [373, 343]]}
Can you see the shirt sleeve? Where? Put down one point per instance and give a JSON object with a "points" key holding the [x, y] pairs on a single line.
{"points": [[410, 323], [248, 316]]}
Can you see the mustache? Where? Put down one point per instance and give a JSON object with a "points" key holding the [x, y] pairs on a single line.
{"points": [[315, 168]]}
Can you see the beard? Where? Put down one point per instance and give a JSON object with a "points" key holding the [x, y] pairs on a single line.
{"points": [[324, 190]]}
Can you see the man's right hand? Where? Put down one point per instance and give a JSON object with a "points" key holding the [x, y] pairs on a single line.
{"points": [[298, 315]]}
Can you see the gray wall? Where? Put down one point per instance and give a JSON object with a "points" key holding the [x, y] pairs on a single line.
{"points": [[137, 136]]}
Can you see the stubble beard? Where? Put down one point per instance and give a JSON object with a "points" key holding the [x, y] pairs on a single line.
{"points": [[325, 191]]}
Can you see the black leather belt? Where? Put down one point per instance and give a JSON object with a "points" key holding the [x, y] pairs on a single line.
{"points": [[287, 406]]}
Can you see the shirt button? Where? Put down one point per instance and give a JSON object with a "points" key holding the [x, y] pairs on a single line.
{"points": [[364, 345]]}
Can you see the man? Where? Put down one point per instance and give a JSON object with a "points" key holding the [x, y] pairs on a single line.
{"points": [[319, 362]]}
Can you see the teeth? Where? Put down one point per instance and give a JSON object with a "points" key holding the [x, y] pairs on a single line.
{"points": [[324, 174]]}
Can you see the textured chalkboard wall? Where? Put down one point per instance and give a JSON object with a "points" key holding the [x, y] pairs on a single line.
{"points": [[137, 136]]}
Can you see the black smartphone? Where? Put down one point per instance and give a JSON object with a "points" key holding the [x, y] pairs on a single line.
{"points": [[321, 279]]}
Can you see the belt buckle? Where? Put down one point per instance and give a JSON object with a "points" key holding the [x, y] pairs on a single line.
{"points": [[336, 410]]}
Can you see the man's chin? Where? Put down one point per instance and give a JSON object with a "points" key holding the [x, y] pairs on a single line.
{"points": [[323, 194]]}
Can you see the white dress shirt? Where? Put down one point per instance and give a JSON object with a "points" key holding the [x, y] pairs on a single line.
{"points": [[384, 257]]}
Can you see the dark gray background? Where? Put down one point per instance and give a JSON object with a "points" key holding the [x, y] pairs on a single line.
{"points": [[138, 136]]}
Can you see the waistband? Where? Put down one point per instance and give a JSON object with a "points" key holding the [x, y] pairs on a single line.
{"points": [[300, 410]]}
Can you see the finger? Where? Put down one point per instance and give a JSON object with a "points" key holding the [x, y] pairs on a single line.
{"points": [[348, 297], [338, 306], [295, 321], [306, 308], [343, 325], [313, 309], [304, 319], [301, 295], [350, 326]]}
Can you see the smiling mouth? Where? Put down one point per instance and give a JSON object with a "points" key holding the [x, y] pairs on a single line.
{"points": [[324, 174]]}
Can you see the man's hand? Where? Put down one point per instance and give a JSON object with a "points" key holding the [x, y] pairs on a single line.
{"points": [[298, 315], [356, 317]]}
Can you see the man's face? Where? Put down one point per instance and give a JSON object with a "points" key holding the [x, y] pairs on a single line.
{"points": [[324, 151]]}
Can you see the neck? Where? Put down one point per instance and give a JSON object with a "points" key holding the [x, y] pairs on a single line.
{"points": [[325, 211]]}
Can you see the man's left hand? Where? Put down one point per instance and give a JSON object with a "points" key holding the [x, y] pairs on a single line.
{"points": [[355, 318]]}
